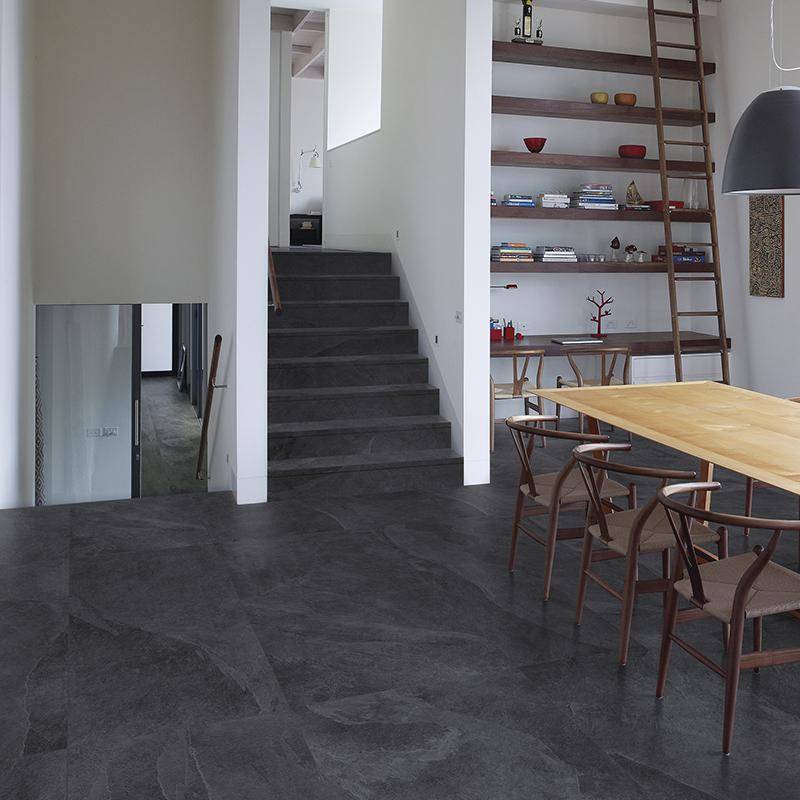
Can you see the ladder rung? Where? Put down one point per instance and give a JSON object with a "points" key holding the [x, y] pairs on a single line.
{"points": [[685, 144], [688, 176], [695, 277], [694, 244], [699, 314], [678, 46], [681, 14]]}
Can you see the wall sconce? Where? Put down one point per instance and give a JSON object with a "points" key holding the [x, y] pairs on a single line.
{"points": [[314, 163]]}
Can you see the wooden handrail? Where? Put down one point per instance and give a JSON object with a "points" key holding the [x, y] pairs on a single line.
{"points": [[212, 384], [273, 284]]}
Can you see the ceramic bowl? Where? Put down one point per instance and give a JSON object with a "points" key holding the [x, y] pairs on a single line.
{"points": [[535, 145], [632, 151], [601, 98], [625, 99]]}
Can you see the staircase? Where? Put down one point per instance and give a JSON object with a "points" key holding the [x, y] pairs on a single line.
{"points": [[350, 406]]}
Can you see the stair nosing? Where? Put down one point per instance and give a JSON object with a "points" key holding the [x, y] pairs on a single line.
{"points": [[374, 302], [332, 427], [347, 276], [362, 462], [338, 330], [364, 359], [316, 392]]}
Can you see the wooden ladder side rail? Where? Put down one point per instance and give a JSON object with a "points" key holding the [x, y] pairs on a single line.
{"points": [[273, 283], [212, 385], [662, 157], [712, 202]]}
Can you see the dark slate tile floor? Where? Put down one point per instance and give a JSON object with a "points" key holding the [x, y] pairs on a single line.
{"points": [[355, 648]]}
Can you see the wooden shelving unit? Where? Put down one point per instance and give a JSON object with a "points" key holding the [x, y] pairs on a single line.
{"points": [[594, 112], [515, 158], [582, 214], [570, 58], [594, 267]]}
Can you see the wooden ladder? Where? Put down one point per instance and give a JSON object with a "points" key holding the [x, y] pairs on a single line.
{"points": [[708, 176]]}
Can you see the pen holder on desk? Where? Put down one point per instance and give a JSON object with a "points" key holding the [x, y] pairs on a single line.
{"points": [[495, 334], [508, 333]]}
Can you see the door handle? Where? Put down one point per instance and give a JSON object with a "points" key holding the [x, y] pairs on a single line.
{"points": [[135, 423]]}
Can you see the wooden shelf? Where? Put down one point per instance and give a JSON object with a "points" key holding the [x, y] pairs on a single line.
{"points": [[595, 112], [518, 158], [570, 58], [593, 267], [622, 215], [642, 343]]}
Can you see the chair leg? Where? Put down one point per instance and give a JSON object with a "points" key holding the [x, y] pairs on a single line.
{"points": [[631, 496], [732, 682], [665, 573], [628, 601], [748, 501], [586, 562], [512, 556], [558, 406], [550, 550], [670, 618], [758, 629]]}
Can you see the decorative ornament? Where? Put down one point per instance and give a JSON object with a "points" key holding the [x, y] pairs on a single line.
{"points": [[615, 246], [600, 314], [630, 252], [632, 196]]}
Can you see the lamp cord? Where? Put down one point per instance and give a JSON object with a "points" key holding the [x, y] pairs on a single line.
{"points": [[772, 39]]}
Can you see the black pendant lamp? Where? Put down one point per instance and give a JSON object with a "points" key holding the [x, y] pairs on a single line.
{"points": [[764, 155]]}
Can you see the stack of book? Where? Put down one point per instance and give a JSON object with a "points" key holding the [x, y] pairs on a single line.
{"points": [[554, 200], [512, 251], [681, 255], [493, 198], [594, 196], [523, 200], [555, 253]]}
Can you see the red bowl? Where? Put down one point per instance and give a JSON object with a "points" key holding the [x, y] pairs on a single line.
{"points": [[632, 151], [535, 145]]}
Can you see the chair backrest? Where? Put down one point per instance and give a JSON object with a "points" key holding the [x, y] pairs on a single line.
{"points": [[594, 465], [524, 432], [682, 514], [521, 376], [607, 358]]}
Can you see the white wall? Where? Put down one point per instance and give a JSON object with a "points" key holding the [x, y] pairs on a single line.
{"points": [[403, 189], [16, 297], [238, 294], [352, 65], [764, 330], [308, 132], [122, 151], [85, 361], [156, 337]]}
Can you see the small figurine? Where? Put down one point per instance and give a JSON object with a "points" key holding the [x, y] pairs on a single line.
{"points": [[615, 246], [539, 32], [518, 30], [600, 314], [632, 196], [630, 252]]}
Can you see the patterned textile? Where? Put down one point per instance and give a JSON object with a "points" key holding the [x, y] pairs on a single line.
{"points": [[767, 246]]}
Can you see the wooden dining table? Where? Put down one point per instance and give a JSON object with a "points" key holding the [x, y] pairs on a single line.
{"points": [[753, 434]]}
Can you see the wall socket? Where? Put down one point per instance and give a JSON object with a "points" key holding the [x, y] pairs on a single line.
{"points": [[631, 325], [93, 433], [111, 431]]}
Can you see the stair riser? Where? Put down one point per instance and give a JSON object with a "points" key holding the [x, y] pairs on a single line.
{"points": [[313, 409], [360, 288], [337, 484], [332, 264], [342, 344], [325, 316], [342, 444], [300, 377]]}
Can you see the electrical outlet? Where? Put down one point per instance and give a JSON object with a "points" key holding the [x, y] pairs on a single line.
{"points": [[93, 433], [631, 325], [397, 234], [612, 325], [111, 431]]}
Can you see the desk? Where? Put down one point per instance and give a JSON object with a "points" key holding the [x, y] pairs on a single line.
{"points": [[749, 433], [641, 343]]}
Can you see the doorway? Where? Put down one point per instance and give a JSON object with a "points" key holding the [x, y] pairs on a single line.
{"points": [[297, 127]]}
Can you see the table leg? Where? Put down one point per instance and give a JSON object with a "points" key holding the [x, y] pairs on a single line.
{"points": [[705, 475], [592, 425]]}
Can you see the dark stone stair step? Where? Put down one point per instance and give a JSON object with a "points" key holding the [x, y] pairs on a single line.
{"points": [[339, 287], [352, 402], [358, 474], [331, 262], [357, 436], [288, 342], [340, 313], [298, 373]]}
